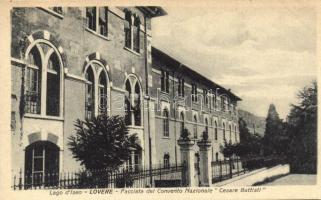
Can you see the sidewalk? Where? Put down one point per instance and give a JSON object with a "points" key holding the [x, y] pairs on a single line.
{"points": [[255, 176], [294, 179]]}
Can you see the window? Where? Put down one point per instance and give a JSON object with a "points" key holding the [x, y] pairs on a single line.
{"points": [[42, 164], [181, 91], [128, 110], [57, 10], [97, 20], [235, 134], [182, 122], [216, 156], [48, 66], [165, 123], [223, 106], [13, 121], [224, 137], [90, 93], [194, 93], [102, 94], [33, 82], [53, 86], [205, 99], [166, 161], [215, 130], [214, 100], [230, 130], [133, 101], [165, 81], [132, 31], [195, 127], [206, 125]]}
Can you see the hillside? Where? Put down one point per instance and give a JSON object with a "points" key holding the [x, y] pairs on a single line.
{"points": [[254, 123]]}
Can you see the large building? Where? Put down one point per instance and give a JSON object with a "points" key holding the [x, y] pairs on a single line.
{"points": [[70, 63]]}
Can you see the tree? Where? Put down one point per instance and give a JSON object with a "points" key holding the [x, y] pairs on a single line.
{"points": [[102, 142], [273, 131], [302, 130], [249, 146]]}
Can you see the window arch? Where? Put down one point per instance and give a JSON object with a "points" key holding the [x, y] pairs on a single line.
{"points": [[133, 94], [165, 123], [215, 130], [224, 136], [43, 79], [90, 93], [42, 163], [195, 126]]}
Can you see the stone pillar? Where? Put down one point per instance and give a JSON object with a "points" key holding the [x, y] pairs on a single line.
{"points": [[187, 158], [205, 163]]}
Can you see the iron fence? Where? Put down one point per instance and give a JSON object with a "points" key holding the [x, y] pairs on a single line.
{"points": [[229, 168], [159, 176]]}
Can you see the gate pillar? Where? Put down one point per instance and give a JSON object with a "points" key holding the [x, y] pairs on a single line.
{"points": [[187, 159], [205, 163]]}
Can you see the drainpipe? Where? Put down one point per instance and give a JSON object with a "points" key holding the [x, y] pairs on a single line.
{"points": [[148, 106]]}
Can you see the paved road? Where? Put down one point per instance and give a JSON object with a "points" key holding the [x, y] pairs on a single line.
{"points": [[294, 179]]}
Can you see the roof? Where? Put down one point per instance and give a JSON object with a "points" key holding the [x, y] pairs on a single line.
{"points": [[153, 11], [175, 65]]}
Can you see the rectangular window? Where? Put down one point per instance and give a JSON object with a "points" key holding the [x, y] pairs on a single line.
{"points": [[136, 38], [165, 81], [57, 10], [205, 100], [181, 91], [194, 93], [97, 20], [91, 18], [103, 21]]}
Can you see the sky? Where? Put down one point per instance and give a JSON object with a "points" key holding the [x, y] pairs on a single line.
{"points": [[264, 55]]}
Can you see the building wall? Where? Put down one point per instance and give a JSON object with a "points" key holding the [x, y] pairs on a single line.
{"points": [[168, 144], [77, 45]]}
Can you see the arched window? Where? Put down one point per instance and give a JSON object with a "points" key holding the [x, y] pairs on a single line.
{"points": [[165, 123], [90, 93], [44, 68], [33, 82], [53, 86], [230, 131], [166, 160], [102, 94], [137, 105], [216, 156], [195, 126], [224, 137], [182, 121], [133, 102], [42, 164], [215, 130]]}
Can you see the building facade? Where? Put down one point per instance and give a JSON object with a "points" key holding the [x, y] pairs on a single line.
{"points": [[70, 63]]}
